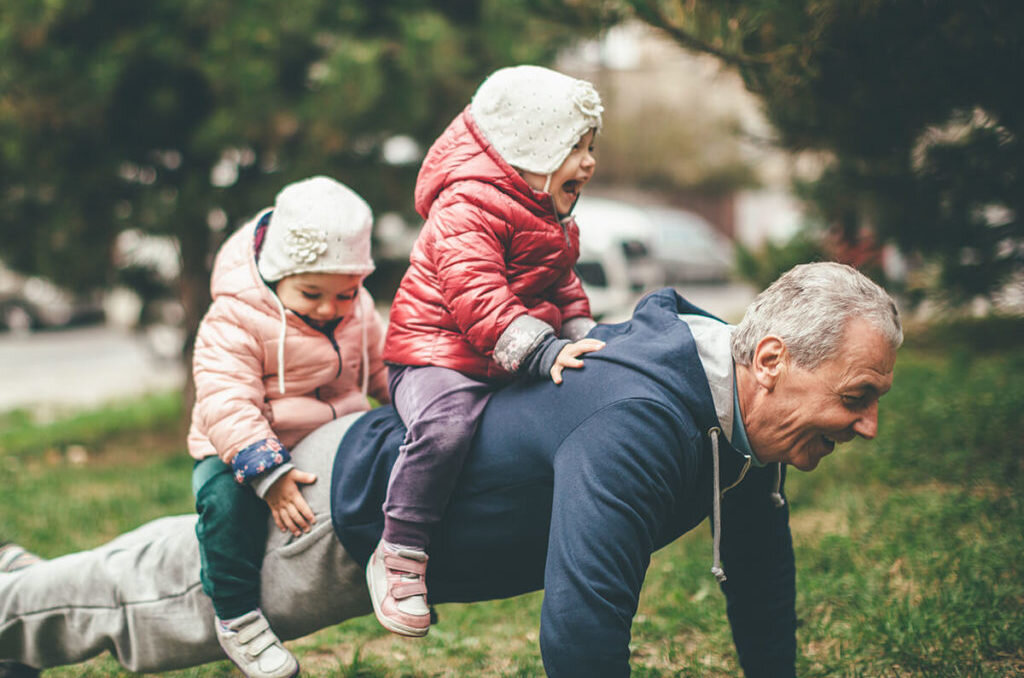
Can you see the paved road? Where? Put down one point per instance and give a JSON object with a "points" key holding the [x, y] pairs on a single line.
{"points": [[84, 368], [79, 368]]}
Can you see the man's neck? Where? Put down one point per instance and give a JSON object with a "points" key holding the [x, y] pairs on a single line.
{"points": [[747, 390]]}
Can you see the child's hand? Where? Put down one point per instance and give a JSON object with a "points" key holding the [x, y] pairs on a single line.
{"points": [[287, 505], [567, 356]]}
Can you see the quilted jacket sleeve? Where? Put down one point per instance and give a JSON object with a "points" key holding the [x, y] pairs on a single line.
{"points": [[570, 298], [228, 371], [378, 386]]}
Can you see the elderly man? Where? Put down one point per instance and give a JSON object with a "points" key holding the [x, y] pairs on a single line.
{"points": [[570, 488]]}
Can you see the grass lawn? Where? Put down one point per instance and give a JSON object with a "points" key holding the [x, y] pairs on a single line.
{"points": [[909, 548]]}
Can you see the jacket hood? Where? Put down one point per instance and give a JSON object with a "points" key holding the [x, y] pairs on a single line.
{"points": [[463, 154], [667, 344], [235, 273]]}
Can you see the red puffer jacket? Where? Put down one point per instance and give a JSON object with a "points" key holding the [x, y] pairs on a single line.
{"points": [[492, 249]]}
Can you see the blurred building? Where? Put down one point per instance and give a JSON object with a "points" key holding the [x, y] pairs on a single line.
{"points": [[693, 117]]}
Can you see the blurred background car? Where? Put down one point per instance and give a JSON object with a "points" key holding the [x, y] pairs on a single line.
{"points": [[607, 224], [605, 277], [659, 245], [30, 303], [688, 249]]}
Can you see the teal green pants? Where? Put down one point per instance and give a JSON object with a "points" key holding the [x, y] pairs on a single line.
{"points": [[232, 531]]}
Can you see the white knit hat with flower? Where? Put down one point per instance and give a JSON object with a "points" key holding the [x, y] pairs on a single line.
{"points": [[533, 116], [318, 226]]}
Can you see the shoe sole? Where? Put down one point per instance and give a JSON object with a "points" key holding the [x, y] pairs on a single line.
{"points": [[391, 625], [297, 668]]}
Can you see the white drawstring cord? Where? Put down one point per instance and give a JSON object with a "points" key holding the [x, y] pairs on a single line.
{"points": [[716, 566], [280, 341], [777, 495]]}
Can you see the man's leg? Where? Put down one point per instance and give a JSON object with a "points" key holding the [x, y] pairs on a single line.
{"points": [[140, 596], [68, 609]]}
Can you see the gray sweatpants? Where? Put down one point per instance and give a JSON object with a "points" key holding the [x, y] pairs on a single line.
{"points": [[140, 597]]}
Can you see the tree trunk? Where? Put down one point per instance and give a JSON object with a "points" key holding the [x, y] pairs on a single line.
{"points": [[196, 255]]}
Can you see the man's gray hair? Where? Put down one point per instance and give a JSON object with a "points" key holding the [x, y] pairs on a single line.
{"points": [[808, 308]]}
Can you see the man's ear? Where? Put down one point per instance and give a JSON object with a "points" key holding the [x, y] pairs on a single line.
{"points": [[770, 358]]}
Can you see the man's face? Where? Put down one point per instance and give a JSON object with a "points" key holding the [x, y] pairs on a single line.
{"points": [[809, 411]]}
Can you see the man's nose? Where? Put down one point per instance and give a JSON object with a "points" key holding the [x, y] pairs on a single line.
{"points": [[867, 425]]}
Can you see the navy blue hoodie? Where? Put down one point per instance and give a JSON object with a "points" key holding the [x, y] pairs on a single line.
{"points": [[571, 488]]}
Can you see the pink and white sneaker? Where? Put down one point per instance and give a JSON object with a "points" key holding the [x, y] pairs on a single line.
{"points": [[396, 578]]}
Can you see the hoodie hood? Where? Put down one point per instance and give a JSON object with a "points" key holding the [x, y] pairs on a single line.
{"points": [[463, 154]]}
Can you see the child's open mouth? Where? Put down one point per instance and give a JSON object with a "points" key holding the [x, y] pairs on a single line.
{"points": [[572, 188]]}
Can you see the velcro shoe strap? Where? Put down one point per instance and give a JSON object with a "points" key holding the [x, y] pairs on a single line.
{"points": [[404, 565], [403, 590], [249, 632], [257, 646]]}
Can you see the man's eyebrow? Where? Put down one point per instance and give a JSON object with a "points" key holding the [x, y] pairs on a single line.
{"points": [[868, 389]]}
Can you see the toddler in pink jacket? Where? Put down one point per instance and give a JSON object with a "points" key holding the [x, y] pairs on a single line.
{"points": [[291, 341]]}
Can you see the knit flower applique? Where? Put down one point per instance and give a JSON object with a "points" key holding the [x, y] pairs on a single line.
{"points": [[587, 100], [305, 244]]}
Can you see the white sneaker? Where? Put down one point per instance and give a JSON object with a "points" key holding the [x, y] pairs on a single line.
{"points": [[249, 642]]}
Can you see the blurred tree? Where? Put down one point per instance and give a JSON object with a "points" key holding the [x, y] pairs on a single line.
{"points": [[182, 117], [917, 103]]}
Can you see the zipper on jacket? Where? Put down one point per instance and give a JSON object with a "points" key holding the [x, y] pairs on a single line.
{"points": [[337, 352]]}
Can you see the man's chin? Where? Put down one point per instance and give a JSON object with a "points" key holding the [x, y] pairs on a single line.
{"points": [[807, 462]]}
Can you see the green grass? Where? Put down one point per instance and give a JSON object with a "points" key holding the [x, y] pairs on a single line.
{"points": [[909, 548]]}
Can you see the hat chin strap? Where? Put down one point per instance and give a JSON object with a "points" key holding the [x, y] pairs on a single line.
{"points": [[547, 184]]}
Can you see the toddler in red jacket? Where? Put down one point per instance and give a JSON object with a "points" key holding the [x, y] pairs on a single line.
{"points": [[490, 295]]}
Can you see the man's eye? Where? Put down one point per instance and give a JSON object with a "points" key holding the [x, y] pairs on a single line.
{"points": [[855, 402]]}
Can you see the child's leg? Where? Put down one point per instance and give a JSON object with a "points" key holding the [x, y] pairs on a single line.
{"points": [[441, 409], [232, 531]]}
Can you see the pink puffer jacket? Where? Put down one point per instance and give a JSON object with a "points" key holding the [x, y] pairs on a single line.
{"points": [[492, 249], [240, 406]]}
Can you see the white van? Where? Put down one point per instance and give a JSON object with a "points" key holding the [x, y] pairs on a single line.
{"points": [[607, 225], [605, 278]]}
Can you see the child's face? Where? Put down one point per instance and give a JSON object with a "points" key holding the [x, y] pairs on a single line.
{"points": [[568, 180], [321, 297]]}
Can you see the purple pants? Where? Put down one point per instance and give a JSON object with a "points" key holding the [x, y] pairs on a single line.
{"points": [[440, 408]]}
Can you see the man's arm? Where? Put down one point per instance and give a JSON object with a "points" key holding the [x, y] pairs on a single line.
{"points": [[614, 487], [757, 553]]}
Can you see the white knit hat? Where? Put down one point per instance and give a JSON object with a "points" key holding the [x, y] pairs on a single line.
{"points": [[318, 226], [533, 116]]}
